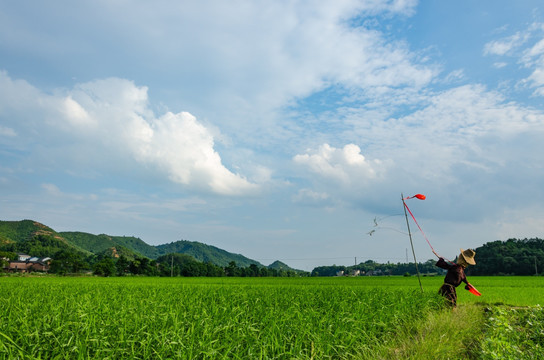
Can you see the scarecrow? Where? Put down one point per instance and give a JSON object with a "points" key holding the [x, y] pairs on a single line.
{"points": [[456, 275], [456, 272]]}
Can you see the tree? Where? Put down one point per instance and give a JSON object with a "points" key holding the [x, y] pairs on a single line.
{"points": [[232, 270], [185, 265], [5, 257], [122, 265], [214, 270], [512, 257], [105, 267], [9, 255], [146, 267], [134, 266], [42, 245], [263, 272], [253, 270], [66, 261]]}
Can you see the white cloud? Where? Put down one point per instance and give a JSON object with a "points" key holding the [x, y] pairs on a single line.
{"points": [[534, 58], [345, 165], [505, 45], [499, 65], [112, 116], [6, 131], [75, 113], [312, 198], [455, 76], [51, 189], [521, 223], [18, 96], [54, 192], [528, 47], [271, 53], [186, 149], [537, 78], [258, 79], [536, 50], [465, 119], [465, 146]]}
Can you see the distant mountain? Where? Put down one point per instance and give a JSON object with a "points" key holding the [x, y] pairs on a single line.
{"points": [[201, 252], [16, 231], [34, 238], [278, 265], [137, 245], [205, 253], [23, 235], [130, 247]]}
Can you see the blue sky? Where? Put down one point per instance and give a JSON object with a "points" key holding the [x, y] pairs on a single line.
{"points": [[278, 130]]}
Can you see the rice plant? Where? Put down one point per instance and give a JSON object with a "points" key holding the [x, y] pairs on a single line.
{"points": [[143, 318]]}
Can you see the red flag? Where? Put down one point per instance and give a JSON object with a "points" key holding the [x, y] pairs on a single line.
{"points": [[417, 196], [473, 290]]}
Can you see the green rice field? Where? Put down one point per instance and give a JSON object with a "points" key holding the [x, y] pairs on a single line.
{"points": [[230, 318]]}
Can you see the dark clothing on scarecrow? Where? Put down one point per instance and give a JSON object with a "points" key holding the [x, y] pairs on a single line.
{"points": [[453, 279]]}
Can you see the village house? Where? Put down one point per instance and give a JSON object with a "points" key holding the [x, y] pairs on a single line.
{"points": [[355, 272], [26, 263], [23, 257]]}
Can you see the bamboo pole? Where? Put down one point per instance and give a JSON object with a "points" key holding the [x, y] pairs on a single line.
{"points": [[411, 242]]}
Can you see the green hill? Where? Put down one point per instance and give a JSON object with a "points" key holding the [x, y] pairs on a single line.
{"points": [[39, 240], [137, 245], [130, 247], [35, 239], [519, 257], [17, 231], [205, 253], [98, 244], [118, 251], [278, 265]]}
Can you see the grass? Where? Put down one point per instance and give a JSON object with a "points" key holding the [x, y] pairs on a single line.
{"points": [[514, 333], [142, 318], [263, 318], [506, 322], [443, 334]]}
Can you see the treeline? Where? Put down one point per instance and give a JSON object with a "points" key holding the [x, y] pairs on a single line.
{"points": [[66, 262], [373, 268], [180, 265], [511, 257], [5, 256], [515, 257], [67, 259], [39, 246]]}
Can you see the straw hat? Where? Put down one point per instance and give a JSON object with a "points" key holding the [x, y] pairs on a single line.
{"points": [[468, 255]]}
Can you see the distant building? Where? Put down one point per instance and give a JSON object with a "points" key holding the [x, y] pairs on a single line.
{"points": [[355, 272], [29, 264], [340, 273], [23, 257]]}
